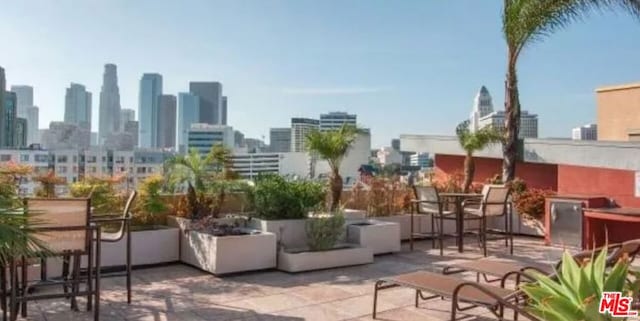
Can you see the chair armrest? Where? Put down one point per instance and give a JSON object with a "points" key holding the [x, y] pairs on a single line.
{"points": [[424, 201], [111, 219], [471, 201]]}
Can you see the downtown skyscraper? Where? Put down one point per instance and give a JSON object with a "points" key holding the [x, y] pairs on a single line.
{"points": [[148, 105], [188, 113], [210, 94], [109, 103], [167, 122], [77, 106]]}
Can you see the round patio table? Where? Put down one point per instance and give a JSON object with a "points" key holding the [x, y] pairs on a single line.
{"points": [[458, 198]]}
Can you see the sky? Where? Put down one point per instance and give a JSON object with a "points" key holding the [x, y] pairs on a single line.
{"points": [[404, 67]]}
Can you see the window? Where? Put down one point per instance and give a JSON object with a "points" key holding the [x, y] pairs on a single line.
{"points": [[91, 159], [62, 159], [62, 169], [5, 157], [41, 158], [24, 157]]}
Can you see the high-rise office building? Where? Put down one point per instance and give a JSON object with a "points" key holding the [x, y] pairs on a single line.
{"points": [[148, 100], [483, 115], [482, 106], [167, 122], [62, 135], [25, 98], [395, 144], [9, 119], [77, 106], [335, 120], [33, 123], [126, 115], [210, 94], [3, 85], [109, 103], [280, 140], [224, 110], [238, 138], [202, 137], [300, 127], [586, 132], [188, 113], [132, 128], [20, 136]]}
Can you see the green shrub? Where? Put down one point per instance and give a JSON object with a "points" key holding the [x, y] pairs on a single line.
{"points": [[274, 198], [323, 232]]}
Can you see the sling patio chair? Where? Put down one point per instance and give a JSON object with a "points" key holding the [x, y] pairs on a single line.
{"points": [[493, 204], [494, 298], [428, 202], [503, 270]]}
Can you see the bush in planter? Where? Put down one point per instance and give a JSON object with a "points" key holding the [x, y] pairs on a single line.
{"points": [[48, 183], [149, 204], [275, 198], [104, 198], [530, 203], [389, 196], [323, 232]]}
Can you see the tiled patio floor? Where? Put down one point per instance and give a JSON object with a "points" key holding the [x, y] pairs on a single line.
{"points": [[179, 292]]}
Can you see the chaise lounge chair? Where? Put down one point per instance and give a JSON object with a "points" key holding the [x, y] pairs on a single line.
{"points": [[494, 298]]}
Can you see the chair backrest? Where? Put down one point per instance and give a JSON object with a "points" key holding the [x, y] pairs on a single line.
{"points": [[629, 248], [125, 216], [60, 213], [427, 193], [494, 201]]}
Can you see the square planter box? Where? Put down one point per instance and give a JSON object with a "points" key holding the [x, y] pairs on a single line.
{"points": [[155, 246], [290, 233], [229, 254], [380, 236], [294, 261], [351, 215]]}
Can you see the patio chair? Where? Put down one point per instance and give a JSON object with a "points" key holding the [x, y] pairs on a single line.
{"points": [[427, 202], [494, 298], [494, 203], [123, 223], [63, 226]]}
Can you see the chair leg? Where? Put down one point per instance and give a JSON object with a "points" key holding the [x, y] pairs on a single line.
{"points": [[433, 239], [75, 282], [23, 276], [65, 272], [128, 266], [3, 291], [375, 299], [417, 297], [441, 236], [484, 235]]}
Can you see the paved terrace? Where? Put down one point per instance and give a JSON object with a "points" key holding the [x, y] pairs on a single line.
{"points": [[181, 293]]}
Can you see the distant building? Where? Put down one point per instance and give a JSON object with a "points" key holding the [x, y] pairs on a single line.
{"points": [[2, 105], [224, 110], [300, 127], [335, 120], [421, 159], [33, 123], [38, 160], [132, 128], [204, 136], [148, 104], [388, 156], [120, 141], [483, 115], [357, 155], [126, 115], [586, 132], [250, 166], [210, 94], [238, 138], [280, 140], [94, 139], [395, 144], [77, 106], [255, 145], [109, 103], [24, 95], [188, 113], [617, 112], [61, 135], [20, 135], [9, 115], [167, 122]]}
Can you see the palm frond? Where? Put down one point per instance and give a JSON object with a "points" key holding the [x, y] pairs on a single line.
{"points": [[478, 140], [332, 145]]}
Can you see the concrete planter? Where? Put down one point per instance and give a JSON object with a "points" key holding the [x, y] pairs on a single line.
{"points": [[346, 255], [380, 236], [290, 233], [155, 246], [421, 223], [229, 254], [521, 225]]}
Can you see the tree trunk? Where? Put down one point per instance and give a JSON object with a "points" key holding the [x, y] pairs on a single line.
{"points": [[336, 190], [469, 172], [511, 123]]}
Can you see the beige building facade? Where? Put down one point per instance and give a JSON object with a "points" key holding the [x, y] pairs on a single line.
{"points": [[619, 112]]}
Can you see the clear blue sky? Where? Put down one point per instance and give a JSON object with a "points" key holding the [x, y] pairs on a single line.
{"points": [[410, 66]]}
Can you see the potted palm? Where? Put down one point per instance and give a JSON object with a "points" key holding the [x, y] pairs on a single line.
{"points": [[471, 142]]}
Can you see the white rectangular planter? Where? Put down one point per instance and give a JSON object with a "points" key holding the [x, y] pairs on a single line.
{"points": [[351, 215], [308, 261], [290, 233], [380, 236], [421, 224], [229, 254], [156, 246]]}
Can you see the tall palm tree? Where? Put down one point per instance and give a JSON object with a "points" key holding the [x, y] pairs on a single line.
{"points": [[191, 169], [472, 142], [333, 146], [525, 22]]}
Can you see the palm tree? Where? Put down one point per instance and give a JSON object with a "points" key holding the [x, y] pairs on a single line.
{"points": [[191, 169], [523, 23], [333, 146], [472, 142]]}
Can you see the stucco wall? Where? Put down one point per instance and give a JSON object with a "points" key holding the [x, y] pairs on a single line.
{"points": [[618, 111]]}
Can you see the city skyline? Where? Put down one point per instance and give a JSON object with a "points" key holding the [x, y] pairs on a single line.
{"points": [[420, 62]]}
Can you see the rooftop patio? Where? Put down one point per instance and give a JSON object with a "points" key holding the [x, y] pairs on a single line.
{"points": [[180, 292]]}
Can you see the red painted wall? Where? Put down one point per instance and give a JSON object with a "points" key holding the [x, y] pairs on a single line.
{"points": [[536, 175], [612, 183]]}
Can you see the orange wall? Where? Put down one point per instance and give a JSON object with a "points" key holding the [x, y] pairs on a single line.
{"points": [[618, 111], [612, 183], [536, 175]]}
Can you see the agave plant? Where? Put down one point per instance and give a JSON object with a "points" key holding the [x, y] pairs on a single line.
{"points": [[575, 292]]}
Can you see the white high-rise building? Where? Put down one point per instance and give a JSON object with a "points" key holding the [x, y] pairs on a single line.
{"points": [[586, 132], [420, 159], [204, 136], [388, 156], [483, 115], [300, 127], [335, 120]]}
